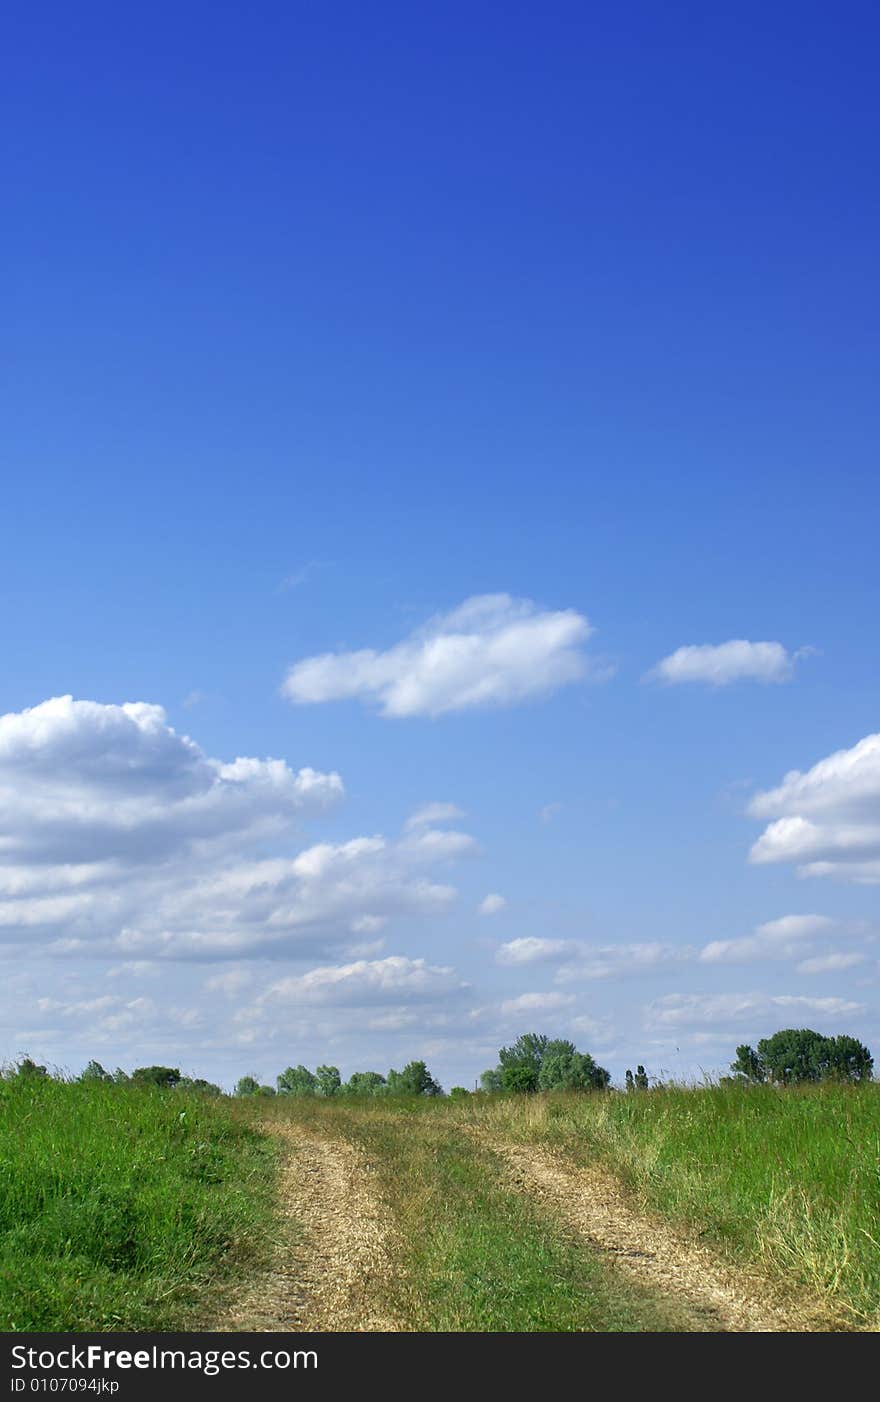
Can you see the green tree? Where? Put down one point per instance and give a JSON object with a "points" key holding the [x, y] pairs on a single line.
{"points": [[799, 1054], [328, 1080], [247, 1085], [197, 1083], [459, 1093], [95, 1072], [491, 1080], [747, 1066], [297, 1080], [535, 1062], [641, 1078], [849, 1060], [630, 1083], [563, 1067], [364, 1083], [414, 1079], [160, 1077], [28, 1070], [520, 1063]]}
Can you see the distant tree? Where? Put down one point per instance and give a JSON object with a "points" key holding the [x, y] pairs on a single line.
{"points": [[160, 1077], [630, 1083], [120, 1077], [459, 1093], [328, 1080], [641, 1078], [849, 1060], [799, 1054], [28, 1070], [296, 1080], [199, 1085], [796, 1055], [520, 1063], [249, 1085], [414, 1079], [491, 1079], [95, 1072], [364, 1083], [747, 1066], [563, 1067], [417, 1080], [535, 1062]]}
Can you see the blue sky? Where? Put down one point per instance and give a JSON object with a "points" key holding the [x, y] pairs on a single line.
{"points": [[322, 323]]}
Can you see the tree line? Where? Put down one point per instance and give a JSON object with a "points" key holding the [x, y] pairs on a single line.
{"points": [[533, 1063]]}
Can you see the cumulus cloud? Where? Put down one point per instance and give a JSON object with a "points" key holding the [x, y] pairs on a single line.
{"points": [[775, 939], [118, 836], [531, 950], [723, 663], [826, 821], [579, 960], [537, 1003], [491, 904], [392, 980], [705, 1009], [493, 650]]}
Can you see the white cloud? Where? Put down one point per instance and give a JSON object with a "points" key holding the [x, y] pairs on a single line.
{"points": [[775, 939], [120, 837], [704, 1009], [827, 820], [622, 960], [491, 651], [87, 785], [721, 664], [549, 811], [530, 950], [491, 904], [433, 813], [537, 1003], [392, 980], [830, 963]]}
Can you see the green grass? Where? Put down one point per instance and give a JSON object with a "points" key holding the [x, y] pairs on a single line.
{"points": [[122, 1208], [789, 1179], [132, 1209], [473, 1254]]}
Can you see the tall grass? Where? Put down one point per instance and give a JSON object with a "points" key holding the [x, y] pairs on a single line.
{"points": [[120, 1207], [786, 1178]]}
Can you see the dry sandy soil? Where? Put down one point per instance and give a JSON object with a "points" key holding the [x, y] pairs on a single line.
{"points": [[333, 1261]]}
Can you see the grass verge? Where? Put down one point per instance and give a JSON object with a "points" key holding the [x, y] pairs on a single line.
{"points": [[123, 1208]]}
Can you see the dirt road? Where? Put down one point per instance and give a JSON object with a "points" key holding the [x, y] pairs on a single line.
{"points": [[332, 1261], [337, 1253], [708, 1294]]}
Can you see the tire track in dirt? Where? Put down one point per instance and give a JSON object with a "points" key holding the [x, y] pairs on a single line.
{"points": [[331, 1270], [708, 1295]]}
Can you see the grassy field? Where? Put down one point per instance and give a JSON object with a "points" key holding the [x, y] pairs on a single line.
{"points": [[122, 1208], [788, 1179]]}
